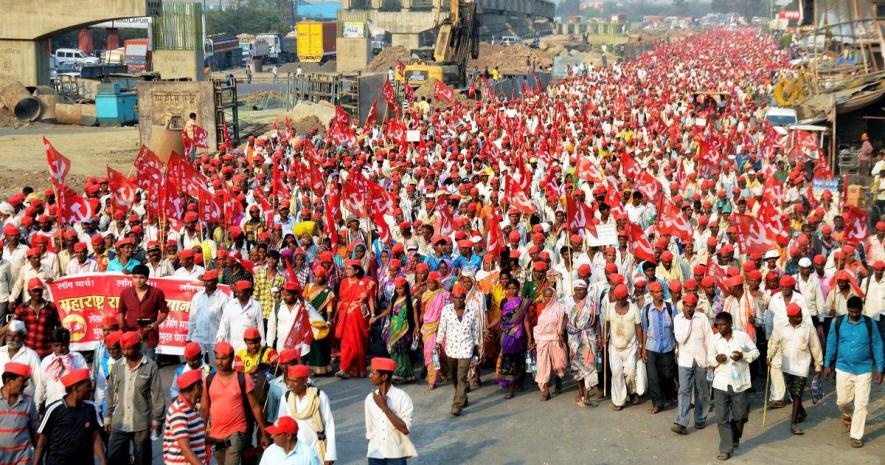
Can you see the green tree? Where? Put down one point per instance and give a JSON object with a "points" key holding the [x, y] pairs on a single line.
{"points": [[246, 19]]}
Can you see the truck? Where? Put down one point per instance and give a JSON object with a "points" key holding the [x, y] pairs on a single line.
{"points": [[280, 49], [315, 40], [252, 48], [137, 55]]}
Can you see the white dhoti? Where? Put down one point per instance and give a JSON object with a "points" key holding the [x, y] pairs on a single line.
{"points": [[623, 366]]}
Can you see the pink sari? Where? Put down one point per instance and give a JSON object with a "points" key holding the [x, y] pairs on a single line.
{"points": [[432, 311]]}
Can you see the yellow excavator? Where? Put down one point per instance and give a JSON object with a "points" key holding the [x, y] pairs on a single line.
{"points": [[458, 39]]}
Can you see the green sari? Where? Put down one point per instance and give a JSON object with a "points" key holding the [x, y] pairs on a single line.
{"points": [[399, 339], [319, 359]]}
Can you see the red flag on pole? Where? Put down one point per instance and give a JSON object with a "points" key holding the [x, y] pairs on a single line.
{"points": [[640, 247], [408, 92], [389, 95], [856, 221], [73, 208], [400, 69], [372, 116], [443, 92], [516, 196], [227, 141], [753, 234], [301, 334], [122, 191], [59, 165]]}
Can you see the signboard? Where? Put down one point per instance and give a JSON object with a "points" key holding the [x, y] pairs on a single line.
{"points": [[819, 185], [126, 23], [606, 234], [353, 29], [789, 15], [413, 135], [83, 301]]}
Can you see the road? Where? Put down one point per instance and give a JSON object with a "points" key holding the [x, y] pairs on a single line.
{"points": [[527, 431]]}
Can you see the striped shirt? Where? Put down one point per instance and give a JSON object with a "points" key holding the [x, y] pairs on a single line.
{"points": [[15, 423], [183, 421]]}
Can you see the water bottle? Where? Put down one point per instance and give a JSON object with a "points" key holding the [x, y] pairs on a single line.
{"points": [[474, 361], [434, 357], [530, 362], [415, 344]]}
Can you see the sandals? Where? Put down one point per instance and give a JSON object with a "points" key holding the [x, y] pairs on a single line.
{"points": [[795, 430], [723, 457], [617, 408], [508, 396], [856, 443], [545, 396], [654, 410], [342, 375], [776, 404]]}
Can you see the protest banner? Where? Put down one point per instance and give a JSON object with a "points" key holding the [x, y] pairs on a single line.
{"points": [[83, 301]]}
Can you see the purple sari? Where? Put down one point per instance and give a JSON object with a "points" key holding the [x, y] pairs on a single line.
{"points": [[511, 362]]}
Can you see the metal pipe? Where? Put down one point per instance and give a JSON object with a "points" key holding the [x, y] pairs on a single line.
{"points": [[16, 98]]}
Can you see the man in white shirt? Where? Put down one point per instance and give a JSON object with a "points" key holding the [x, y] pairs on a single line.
{"points": [[188, 269], [809, 287], [80, 263], [206, 310], [730, 354], [240, 313], [55, 365], [309, 407], [777, 310], [459, 333], [6, 282], [388, 417], [284, 315], [15, 351], [792, 347], [693, 335], [874, 288]]}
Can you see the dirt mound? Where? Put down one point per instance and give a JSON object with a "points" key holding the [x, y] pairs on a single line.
{"points": [[510, 59], [307, 124], [8, 120], [427, 90], [387, 58]]}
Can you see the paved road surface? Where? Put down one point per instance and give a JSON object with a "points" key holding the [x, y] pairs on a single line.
{"points": [[526, 431]]}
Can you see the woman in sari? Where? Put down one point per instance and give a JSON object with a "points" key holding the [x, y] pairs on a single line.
{"points": [[356, 301], [581, 327], [447, 278], [401, 330], [366, 262], [320, 296], [432, 302], [300, 267], [549, 338], [515, 338]]}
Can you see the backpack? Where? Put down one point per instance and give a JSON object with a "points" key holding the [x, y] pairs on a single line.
{"points": [[241, 381], [869, 324]]}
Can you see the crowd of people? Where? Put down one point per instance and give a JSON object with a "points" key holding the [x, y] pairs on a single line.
{"points": [[588, 230]]}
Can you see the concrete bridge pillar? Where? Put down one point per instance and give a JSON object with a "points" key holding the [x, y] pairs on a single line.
{"points": [[25, 60], [409, 41]]}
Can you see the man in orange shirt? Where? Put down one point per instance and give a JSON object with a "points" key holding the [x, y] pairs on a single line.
{"points": [[232, 409]]}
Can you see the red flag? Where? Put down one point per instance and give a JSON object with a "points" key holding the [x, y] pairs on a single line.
{"points": [[580, 216], [521, 175], [372, 116], [186, 142], [496, 235], [149, 177], [383, 228], [409, 92], [649, 186], [752, 233], [395, 130], [185, 175], [803, 145], [341, 116], [640, 247], [856, 221], [718, 273], [288, 126], [672, 221], [355, 198], [586, 168], [400, 68], [516, 196], [59, 165], [211, 206], [301, 334], [472, 91], [630, 167], [201, 137], [822, 168], [443, 92], [333, 206], [278, 187], [72, 207], [444, 223], [709, 152], [122, 191], [227, 141], [389, 95]]}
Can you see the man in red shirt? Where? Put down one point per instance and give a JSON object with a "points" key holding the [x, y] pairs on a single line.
{"points": [[40, 317], [143, 308]]}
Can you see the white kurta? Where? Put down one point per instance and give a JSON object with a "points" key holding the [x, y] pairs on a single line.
{"points": [[385, 441], [306, 432], [235, 319]]}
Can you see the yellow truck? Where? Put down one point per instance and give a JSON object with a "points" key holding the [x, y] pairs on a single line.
{"points": [[315, 41]]}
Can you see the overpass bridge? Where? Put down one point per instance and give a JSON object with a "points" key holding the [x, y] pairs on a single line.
{"points": [[27, 26], [405, 20]]}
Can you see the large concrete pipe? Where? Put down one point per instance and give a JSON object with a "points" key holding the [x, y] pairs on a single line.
{"points": [[48, 99], [16, 98]]}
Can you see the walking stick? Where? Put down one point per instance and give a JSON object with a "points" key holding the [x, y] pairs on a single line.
{"points": [[765, 397], [604, 355]]}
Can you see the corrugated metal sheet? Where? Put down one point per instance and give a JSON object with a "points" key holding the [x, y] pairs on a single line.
{"points": [[180, 27]]}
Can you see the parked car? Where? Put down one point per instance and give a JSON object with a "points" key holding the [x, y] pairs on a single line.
{"points": [[75, 57]]}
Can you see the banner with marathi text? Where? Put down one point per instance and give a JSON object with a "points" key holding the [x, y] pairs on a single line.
{"points": [[83, 300]]}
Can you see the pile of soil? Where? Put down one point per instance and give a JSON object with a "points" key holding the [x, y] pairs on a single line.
{"points": [[427, 90], [8, 120], [308, 123], [510, 59], [387, 58]]}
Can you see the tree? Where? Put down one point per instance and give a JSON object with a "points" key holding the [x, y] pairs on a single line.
{"points": [[246, 19]]}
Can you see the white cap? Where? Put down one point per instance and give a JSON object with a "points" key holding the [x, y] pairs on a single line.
{"points": [[771, 254], [804, 262], [580, 283], [17, 326]]}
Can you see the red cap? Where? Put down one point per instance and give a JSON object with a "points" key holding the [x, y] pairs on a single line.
{"points": [[674, 285], [224, 348], [109, 321], [584, 270], [292, 286], [655, 286], [192, 350], [288, 355], [35, 283], [878, 265], [251, 333], [708, 281], [209, 275], [458, 291], [19, 369], [734, 281], [383, 364], [113, 338], [186, 253], [33, 252], [793, 309], [819, 259], [284, 425], [787, 280], [667, 256], [298, 371], [690, 284], [130, 339], [539, 266], [690, 299], [620, 291], [189, 378], [74, 377], [242, 285]]}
